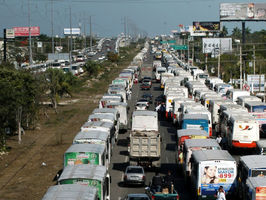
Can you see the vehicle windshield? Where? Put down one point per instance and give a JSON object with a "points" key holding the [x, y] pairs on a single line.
{"points": [[134, 170], [259, 108]]}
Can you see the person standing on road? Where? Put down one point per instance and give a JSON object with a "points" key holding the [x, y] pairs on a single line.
{"points": [[219, 139], [168, 181], [221, 194]]}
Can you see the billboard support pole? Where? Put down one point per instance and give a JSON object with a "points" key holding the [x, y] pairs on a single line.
{"points": [[192, 51], [254, 60], [240, 63], [219, 60], [206, 60], [5, 45], [243, 32]]}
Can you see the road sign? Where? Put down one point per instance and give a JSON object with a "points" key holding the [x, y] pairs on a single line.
{"points": [[10, 34], [179, 47]]}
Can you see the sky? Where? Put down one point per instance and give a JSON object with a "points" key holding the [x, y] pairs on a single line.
{"points": [[153, 17]]}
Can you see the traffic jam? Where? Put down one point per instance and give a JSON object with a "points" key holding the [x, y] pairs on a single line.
{"points": [[219, 150]]}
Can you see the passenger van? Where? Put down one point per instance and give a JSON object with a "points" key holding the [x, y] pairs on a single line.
{"points": [[75, 192], [233, 94], [211, 169], [113, 112], [195, 145], [95, 176], [249, 166], [122, 109], [159, 71], [255, 188], [221, 88], [243, 132], [244, 99], [94, 154], [184, 134], [176, 107], [185, 105], [258, 110], [214, 107], [196, 121], [95, 137]]}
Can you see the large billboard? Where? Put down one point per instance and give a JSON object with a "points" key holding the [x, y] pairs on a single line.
{"points": [[24, 31], [243, 12], [206, 26], [256, 82], [213, 45], [74, 31], [213, 175]]}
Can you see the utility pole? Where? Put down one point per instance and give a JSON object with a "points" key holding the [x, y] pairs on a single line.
{"points": [[240, 63], [90, 35], [219, 59], [84, 27], [125, 28], [5, 45], [29, 21], [254, 60], [52, 24], [192, 51], [71, 35], [206, 60]]}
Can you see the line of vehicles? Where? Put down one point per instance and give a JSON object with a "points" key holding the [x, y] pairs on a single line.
{"points": [[85, 172], [202, 108]]}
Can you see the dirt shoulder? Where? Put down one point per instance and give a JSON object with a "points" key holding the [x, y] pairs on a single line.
{"points": [[28, 170]]}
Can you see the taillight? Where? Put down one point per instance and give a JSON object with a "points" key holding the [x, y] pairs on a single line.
{"points": [[175, 116], [143, 177], [210, 131], [152, 197], [177, 197]]}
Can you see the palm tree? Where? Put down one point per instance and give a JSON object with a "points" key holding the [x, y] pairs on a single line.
{"points": [[224, 32], [236, 33]]}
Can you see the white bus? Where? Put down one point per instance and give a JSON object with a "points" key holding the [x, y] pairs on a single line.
{"points": [[211, 169]]}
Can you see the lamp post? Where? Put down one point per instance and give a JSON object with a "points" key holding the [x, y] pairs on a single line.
{"points": [[240, 62]]}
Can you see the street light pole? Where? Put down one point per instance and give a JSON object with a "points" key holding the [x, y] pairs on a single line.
{"points": [[29, 21], [52, 24], [240, 63]]}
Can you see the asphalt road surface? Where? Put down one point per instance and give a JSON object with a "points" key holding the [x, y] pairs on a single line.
{"points": [[168, 152]]}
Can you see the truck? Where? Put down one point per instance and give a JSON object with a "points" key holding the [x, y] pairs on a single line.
{"points": [[145, 71], [145, 139]]}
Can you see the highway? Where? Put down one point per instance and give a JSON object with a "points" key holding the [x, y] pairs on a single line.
{"points": [[168, 151]]}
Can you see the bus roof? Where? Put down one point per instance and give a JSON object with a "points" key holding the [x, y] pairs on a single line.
{"points": [[101, 116], [257, 181], [205, 155], [255, 103], [70, 192], [254, 161], [92, 134], [105, 110], [94, 148], [196, 116], [92, 172], [108, 125], [188, 132], [201, 143], [144, 113]]}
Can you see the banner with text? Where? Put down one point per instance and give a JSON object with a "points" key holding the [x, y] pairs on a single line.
{"points": [[24, 31], [212, 45]]}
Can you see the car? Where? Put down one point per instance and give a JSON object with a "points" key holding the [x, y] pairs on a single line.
{"points": [[134, 175], [147, 79], [158, 100], [137, 197], [145, 86], [144, 100], [141, 106], [147, 97]]}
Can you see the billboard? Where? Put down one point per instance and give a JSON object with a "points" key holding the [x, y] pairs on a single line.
{"points": [[212, 45], [206, 26], [75, 31], [24, 31], [243, 12], [256, 82], [213, 175], [10, 34]]}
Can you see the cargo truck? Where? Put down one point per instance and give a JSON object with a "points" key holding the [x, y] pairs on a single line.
{"points": [[145, 140]]}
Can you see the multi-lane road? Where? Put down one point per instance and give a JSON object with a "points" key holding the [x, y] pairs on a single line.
{"points": [[168, 152]]}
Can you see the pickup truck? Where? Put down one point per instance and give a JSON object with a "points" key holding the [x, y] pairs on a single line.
{"points": [[162, 195]]}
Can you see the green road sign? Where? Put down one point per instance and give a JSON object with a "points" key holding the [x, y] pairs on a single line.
{"points": [[168, 41], [179, 47]]}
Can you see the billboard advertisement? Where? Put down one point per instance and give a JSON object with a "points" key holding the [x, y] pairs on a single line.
{"points": [[213, 45], [24, 31], [76, 158], [256, 82], [213, 175], [206, 26], [243, 12], [75, 31]]}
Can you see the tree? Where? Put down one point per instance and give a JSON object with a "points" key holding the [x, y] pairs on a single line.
{"points": [[224, 32], [113, 57], [93, 68], [236, 33], [57, 83]]}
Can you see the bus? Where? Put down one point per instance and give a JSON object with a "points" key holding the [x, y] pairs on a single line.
{"points": [[195, 145], [75, 192], [78, 154], [95, 176], [249, 166], [196, 121], [255, 188], [211, 169], [184, 134]]}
